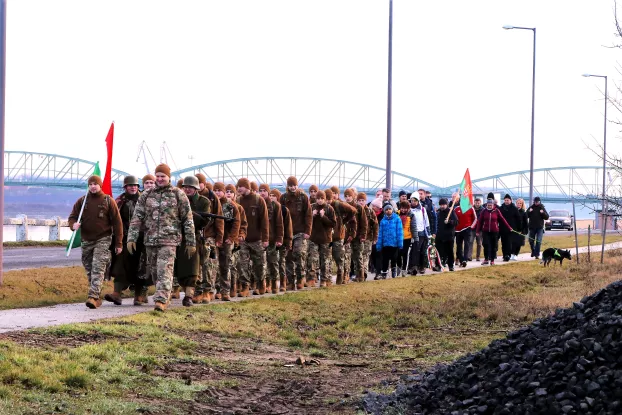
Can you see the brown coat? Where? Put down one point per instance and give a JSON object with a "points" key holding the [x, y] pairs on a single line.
{"points": [[232, 229], [275, 217], [322, 230], [372, 225], [288, 231], [361, 222], [243, 221], [100, 218], [300, 211], [257, 217], [215, 227], [346, 216]]}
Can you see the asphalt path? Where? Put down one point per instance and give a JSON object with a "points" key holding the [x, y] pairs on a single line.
{"points": [[27, 318], [38, 257]]}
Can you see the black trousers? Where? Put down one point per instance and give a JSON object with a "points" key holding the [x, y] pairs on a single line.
{"points": [[389, 254], [402, 259], [446, 252], [506, 244], [491, 244], [517, 243], [418, 253], [464, 247]]}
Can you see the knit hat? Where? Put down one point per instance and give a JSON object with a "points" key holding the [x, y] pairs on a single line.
{"points": [[275, 192], [313, 187], [292, 181], [335, 190], [148, 177], [230, 188], [95, 179], [507, 196], [362, 196], [443, 201], [537, 199], [254, 187], [329, 194], [163, 168], [490, 196], [348, 192], [180, 183], [414, 197], [402, 193], [320, 194], [387, 207], [377, 203], [490, 200], [201, 177], [219, 186], [265, 187], [244, 182], [404, 204], [208, 185]]}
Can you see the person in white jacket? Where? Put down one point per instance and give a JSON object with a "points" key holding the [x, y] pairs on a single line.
{"points": [[419, 250]]}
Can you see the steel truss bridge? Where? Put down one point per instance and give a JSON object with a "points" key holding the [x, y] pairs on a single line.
{"points": [[557, 184]]}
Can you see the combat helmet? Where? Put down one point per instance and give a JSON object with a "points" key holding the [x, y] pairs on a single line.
{"points": [[191, 181], [130, 180]]}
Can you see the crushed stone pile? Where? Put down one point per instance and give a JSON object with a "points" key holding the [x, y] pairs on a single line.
{"points": [[568, 363]]}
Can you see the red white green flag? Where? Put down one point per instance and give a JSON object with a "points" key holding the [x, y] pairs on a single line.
{"points": [[466, 192]]}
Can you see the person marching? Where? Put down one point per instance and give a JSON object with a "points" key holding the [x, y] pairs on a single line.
{"points": [[419, 248], [478, 208], [165, 215], [313, 189], [321, 236], [523, 229], [370, 238], [513, 218], [288, 237], [488, 225], [230, 194], [225, 252], [390, 238], [445, 234], [353, 249], [125, 268], [467, 221], [299, 207], [275, 218], [537, 215], [253, 248], [99, 222], [411, 237], [344, 215]]}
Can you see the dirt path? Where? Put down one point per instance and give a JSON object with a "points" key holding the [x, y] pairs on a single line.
{"points": [[27, 318]]}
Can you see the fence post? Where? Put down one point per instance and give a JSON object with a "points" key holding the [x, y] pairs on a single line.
{"points": [[21, 231], [54, 230], [574, 225], [589, 234]]}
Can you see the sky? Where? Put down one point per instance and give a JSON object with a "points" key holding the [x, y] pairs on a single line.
{"points": [[220, 80]]}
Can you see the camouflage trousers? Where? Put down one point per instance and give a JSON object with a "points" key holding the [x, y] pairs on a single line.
{"points": [[234, 273], [313, 261], [347, 259], [95, 258], [252, 251], [367, 247], [283, 261], [321, 256], [297, 259], [225, 265], [206, 283], [338, 255], [357, 256], [272, 263], [160, 266]]}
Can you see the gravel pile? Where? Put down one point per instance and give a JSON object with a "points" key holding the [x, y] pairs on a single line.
{"points": [[568, 363]]}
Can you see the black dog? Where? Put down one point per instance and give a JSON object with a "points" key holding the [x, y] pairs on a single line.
{"points": [[555, 254]]}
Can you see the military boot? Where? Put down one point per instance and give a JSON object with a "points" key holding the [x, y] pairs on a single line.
{"points": [[245, 291], [311, 283], [93, 303], [361, 276], [206, 298], [189, 293], [160, 306], [339, 280], [115, 298], [291, 286], [175, 293], [233, 291], [260, 288], [273, 287], [198, 298], [300, 284], [282, 284], [218, 296], [323, 284]]}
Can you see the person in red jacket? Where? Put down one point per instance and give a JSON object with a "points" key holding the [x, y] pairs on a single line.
{"points": [[466, 224], [488, 225]]}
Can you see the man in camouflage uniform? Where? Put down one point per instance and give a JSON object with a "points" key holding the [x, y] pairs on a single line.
{"points": [[372, 234], [312, 260], [299, 207], [230, 194], [225, 251], [100, 219], [212, 239], [164, 213], [275, 218], [353, 249], [346, 219], [288, 238], [321, 237], [360, 245]]}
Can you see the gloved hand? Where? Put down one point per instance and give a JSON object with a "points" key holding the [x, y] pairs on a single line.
{"points": [[190, 251], [131, 247]]}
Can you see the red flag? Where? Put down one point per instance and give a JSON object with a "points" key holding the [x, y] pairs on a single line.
{"points": [[107, 187], [466, 192]]}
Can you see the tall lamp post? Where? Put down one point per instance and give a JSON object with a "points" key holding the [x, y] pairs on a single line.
{"points": [[2, 101], [533, 101], [604, 204], [388, 166]]}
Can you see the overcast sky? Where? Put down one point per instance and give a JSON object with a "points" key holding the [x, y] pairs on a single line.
{"points": [[229, 79]]}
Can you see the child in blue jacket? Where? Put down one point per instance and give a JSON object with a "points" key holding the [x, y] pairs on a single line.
{"points": [[390, 239]]}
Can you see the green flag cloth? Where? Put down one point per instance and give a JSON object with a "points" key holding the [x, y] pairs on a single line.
{"points": [[75, 240]]}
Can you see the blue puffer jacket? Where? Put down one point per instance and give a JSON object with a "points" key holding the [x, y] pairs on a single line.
{"points": [[391, 232]]}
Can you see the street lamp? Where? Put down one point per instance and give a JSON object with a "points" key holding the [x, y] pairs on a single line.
{"points": [[604, 205], [533, 100], [388, 167]]}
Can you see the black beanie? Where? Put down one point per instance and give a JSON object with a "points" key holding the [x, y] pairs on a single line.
{"points": [[443, 201], [402, 193], [536, 199], [490, 196], [507, 196]]}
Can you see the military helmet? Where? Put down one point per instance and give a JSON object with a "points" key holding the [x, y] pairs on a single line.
{"points": [[191, 181], [130, 180]]}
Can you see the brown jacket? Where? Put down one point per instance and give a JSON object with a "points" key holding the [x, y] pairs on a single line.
{"points": [[215, 227], [346, 215], [243, 222], [257, 217], [372, 225], [275, 216], [299, 209], [232, 229], [288, 231], [322, 231], [100, 218], [361, 222]]}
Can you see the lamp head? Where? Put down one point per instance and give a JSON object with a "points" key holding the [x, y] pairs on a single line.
{"points": [[508, 27], [587, 75]]}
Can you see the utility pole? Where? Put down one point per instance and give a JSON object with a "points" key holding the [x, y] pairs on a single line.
{"points": [[389, 96]]}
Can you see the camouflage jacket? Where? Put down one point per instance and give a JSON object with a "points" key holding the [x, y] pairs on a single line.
{"points": [[162, 212]]}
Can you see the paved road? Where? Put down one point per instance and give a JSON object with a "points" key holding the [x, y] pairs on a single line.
{"points": [[36, 257], [27, 318]]}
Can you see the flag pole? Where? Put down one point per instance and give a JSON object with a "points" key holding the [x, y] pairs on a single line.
{"points": [[452, 207], [73, 234]]}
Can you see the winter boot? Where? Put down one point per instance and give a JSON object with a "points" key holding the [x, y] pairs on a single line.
{"points": [[198, 298], [218, 296], [291, 286], [175, 293], [300, 284], [282, 284], [361, 276], [115, 298], [260, 288], [93, 303], [311, 283], [339, 280], [160, 306], [225, 297], [244, 291], [233, 291], [273, 287], [206, 298], [189, 293]]}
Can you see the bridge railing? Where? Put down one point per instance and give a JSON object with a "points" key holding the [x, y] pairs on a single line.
{"points": [[22, 224]]}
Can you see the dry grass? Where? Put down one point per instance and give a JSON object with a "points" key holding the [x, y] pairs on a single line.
{"points": [[22, 244]]}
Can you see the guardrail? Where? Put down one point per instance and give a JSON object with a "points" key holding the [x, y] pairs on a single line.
{"points": [[21, 222]]}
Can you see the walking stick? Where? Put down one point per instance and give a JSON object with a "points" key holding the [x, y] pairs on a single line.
{"points": [[451, 209]]}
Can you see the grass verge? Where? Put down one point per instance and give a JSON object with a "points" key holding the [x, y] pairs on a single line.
{"points": [[234, 356], [43, 244]]}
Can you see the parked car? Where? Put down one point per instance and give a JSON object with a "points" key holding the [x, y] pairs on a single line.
{"points": [[559, 219]]}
